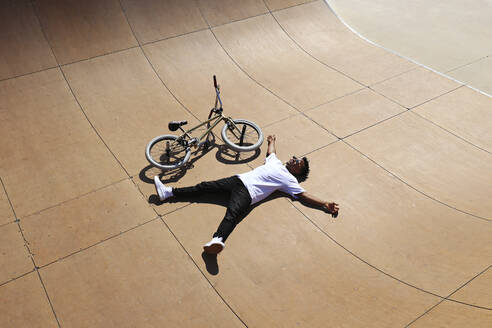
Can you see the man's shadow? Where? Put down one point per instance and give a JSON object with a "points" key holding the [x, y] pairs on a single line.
{"points": [[223, 155], [221, 199]]}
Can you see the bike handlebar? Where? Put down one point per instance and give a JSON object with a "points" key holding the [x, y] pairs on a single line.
{"points": [[217, 92]]}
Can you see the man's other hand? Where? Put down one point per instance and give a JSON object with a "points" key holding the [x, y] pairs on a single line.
{"points": [[271, 145], [331, 208]]}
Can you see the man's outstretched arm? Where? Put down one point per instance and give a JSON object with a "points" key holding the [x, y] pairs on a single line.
{"points": [[271, 145], [330, 207]]}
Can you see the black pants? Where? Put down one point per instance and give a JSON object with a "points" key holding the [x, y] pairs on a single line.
{"points": [[239, 200]]}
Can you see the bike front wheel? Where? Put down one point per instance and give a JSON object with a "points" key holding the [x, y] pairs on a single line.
{"points": [[243, 135], [166, 152]]}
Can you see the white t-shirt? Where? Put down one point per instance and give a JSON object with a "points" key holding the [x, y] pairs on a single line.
{"points": [[271, 176]]}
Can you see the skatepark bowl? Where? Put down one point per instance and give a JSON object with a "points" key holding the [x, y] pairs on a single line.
{"points": [[394, 115]]}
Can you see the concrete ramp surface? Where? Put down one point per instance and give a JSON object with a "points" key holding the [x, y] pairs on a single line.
{"points": [[452, 37], [84, 241]]}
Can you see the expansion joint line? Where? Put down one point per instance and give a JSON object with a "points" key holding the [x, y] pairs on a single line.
{"points": [[94, 129], [73, 93], [150, 63], [397, 54], [412, 187], [31, 255], [340, 245], [447, 298], [260, 84], [467, 64], [340, 139], [17, 222], [450, 132], [443, 298], [412, 110], [308, 53], [303, 113], [100, 242], [178, 102], [370, 86], [160, 216]]}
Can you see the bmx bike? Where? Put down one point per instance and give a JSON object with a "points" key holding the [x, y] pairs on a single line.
{"points": [[169, 151]]}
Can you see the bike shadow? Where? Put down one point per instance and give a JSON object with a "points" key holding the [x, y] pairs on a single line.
{"points": [[223, 154], [147, 173], [228, 156]]}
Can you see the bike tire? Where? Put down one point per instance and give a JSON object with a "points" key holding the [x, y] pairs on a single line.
{"points": [[157, 156], [253, 132]]}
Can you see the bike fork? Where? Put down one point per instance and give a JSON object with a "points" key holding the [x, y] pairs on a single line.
{"points": [[168, 150], [241, 138]]}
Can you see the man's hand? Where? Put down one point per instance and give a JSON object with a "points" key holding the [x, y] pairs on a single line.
{"points": [[271, 145], [331, 208]]}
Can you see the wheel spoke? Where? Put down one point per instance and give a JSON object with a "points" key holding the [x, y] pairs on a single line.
{"points": [[168, 152], [242, 134]]}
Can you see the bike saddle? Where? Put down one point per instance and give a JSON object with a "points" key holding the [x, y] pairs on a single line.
{"points": [[174, 125]]}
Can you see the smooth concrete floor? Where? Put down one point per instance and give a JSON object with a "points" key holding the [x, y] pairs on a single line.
{"points": [[84, 241], [452, 37]]}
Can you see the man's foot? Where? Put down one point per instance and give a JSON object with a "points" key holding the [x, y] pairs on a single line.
{"points": [[215, 246], [163, 191]]}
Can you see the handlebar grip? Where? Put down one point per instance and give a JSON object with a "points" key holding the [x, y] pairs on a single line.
{"points": [[215, 82]]}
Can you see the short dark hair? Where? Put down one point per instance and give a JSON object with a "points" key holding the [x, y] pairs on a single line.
{"points": [[305, 172]]}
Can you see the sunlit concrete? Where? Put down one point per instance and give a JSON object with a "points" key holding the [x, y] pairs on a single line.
{"points": [[405, 151]]}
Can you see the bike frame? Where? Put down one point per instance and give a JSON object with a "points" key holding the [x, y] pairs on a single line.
{"points": [[219, 117], [185, 141]]}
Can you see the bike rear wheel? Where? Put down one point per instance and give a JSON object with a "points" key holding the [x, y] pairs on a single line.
{"points": [[243, 135], [166, 153]]}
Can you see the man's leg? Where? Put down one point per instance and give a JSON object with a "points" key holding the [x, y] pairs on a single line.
{"points": [[217, 186], [239, 203], [222, 185]]}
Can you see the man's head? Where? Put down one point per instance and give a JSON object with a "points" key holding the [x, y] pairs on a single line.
{"points": [[298, 168]]}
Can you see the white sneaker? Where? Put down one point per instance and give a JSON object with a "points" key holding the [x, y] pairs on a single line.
{"points": [[215, 246], [163, 191]]}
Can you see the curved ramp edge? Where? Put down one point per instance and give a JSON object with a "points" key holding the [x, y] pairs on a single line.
{"points": [[333, 5], [391, 256]]}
